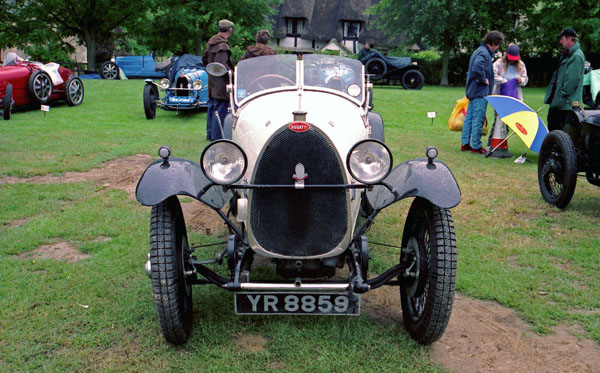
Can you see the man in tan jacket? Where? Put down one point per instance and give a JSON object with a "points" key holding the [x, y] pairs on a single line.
{"points": [[261, 48]]}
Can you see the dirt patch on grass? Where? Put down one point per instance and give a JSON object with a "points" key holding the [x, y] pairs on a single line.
{"points": [[121, 356], [16, 223], [57, 251], [484, 336], [202, 219], [121, 173], [250, 343]]}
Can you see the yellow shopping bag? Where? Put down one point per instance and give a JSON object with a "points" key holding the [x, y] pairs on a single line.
{"points": [[457, 118]]}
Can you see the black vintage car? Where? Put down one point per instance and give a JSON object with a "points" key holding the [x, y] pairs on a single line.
{"points": [[566, 153], [393, 68]]}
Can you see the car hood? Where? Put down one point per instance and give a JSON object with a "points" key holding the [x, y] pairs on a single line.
{"points": [[187, 60]]}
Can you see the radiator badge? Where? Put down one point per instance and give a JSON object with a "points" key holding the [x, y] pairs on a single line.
{"points": [[299, 176], [299, 126]]}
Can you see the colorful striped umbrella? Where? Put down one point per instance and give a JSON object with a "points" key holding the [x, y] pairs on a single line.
{"points": [[521, 118]]}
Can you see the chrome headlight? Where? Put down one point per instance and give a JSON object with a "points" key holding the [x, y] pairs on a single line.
{"points": [[197, 85], [223, 162], [164, 83], [369, 161]]}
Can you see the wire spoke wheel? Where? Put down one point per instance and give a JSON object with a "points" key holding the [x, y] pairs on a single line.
{"points": [[413, 79], [40, 87], [376, 67], [109, 70], [74, 91], [429, 251], [7, 103], [557, 169]]}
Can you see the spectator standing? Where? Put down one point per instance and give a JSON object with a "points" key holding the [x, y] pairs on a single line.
{"points": [[510, 75], [260, 48], [364, 51], [480, 78], [566, 87], [11, 59], [217, 50]]}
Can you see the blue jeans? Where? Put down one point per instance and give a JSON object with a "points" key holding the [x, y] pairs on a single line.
{"points": [[213, 131], [474, 122]]}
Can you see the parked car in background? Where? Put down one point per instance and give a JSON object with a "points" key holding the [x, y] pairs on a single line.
{"points": [[394, 68], [26, 83], [300, 176], [136, 67], [566, 153], [591, 87], [186, 88]]}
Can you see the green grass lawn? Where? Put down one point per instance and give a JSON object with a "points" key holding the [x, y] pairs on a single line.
{"points": [[99, 314]]}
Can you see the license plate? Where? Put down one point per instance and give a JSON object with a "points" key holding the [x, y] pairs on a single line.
{"points": [[265, 303]]}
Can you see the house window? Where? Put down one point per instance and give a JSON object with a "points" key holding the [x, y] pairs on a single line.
{"points": [[351, 30], [294, 26]]}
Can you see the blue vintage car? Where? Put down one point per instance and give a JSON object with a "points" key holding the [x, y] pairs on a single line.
{"points": [[186, 88], [135, 67]]}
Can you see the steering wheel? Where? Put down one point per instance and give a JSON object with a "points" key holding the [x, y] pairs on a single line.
{"points": [[268, 81]]}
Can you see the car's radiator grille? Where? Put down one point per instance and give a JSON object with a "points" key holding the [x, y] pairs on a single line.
{"points": [[182, 82], [299, 222]]}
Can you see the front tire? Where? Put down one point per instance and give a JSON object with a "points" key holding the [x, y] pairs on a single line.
{"points": [[413, 79], [40, 87], [169, 257], [557, 169], [109, 70], [7, 105], [429, 250], [376, 67], [74, 91], [150, 96]]}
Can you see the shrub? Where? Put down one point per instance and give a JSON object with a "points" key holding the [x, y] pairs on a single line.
{"points": [[50, 51]]}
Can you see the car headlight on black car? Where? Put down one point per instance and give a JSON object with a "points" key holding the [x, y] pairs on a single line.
{"points": [[164, 83], [369, 161], [197, 85], [223, 162]]}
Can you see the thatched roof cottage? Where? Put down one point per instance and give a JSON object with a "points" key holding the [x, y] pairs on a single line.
{"points": [[310, 25]]}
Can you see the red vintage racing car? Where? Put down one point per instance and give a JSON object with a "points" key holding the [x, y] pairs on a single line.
{"points": [[25, 83]]}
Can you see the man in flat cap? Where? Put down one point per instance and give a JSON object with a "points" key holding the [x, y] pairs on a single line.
{"points": [[217, 50], [260, 48], [566, 87]]}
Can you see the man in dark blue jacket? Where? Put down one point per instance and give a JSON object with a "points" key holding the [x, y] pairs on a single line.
{"points": [[480, 81]]}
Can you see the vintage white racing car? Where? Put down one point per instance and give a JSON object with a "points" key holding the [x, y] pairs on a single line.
{"points": [[300, 175]]}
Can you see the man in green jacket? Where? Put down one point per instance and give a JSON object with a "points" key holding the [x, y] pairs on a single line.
{"points": [[566, 87]]}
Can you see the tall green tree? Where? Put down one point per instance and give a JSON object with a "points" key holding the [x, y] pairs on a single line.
{"points": [[449, 25], [184, 26], [93, 22], [8, 17], [548, 18]]}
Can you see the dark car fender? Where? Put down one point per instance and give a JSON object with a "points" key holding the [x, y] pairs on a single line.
{"points": [[176, 176], [417, 178]]}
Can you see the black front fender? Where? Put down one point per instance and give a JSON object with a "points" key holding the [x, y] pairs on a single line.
{"points": [[176, 176], [417, 178]]}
